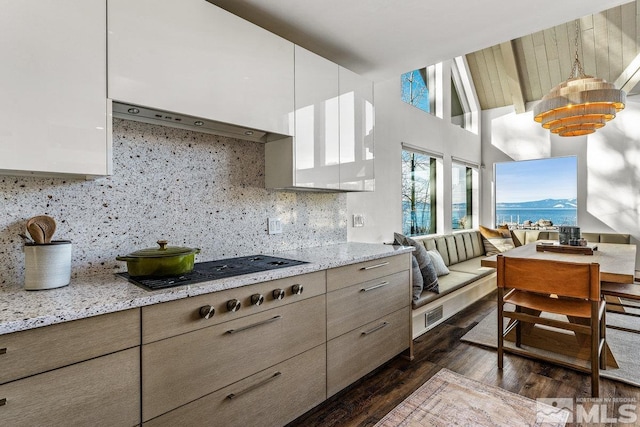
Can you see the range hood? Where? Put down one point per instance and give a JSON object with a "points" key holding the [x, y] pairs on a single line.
{"points": [[182, 121]]}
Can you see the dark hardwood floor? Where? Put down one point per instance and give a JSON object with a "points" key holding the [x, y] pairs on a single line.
{"points": [[365, 402]]}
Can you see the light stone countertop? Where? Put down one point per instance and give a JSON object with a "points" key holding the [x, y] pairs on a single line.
{"points": [[92, 296]]}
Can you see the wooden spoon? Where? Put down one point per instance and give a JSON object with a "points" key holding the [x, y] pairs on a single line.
{"points": [[41, 228]]}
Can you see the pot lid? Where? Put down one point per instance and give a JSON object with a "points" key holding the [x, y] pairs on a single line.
{"points": [[163, 251]]}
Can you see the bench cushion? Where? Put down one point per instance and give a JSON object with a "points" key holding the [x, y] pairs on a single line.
{"points": [[472, 266], [449, 283]]}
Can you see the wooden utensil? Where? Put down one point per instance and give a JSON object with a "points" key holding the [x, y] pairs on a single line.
{"points": [[41, 228]]}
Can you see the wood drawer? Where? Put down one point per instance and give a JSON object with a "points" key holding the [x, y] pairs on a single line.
{"points": [[348, 275], [180, 369], [354, 354], [177, 317], [349, 308], [272, 397], [99, 392], [37, 350]]}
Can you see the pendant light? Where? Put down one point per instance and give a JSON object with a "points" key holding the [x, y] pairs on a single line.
{"points": [[579, 105]]}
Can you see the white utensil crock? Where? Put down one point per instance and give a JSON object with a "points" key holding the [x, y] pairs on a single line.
{"points": [[48, 265]]}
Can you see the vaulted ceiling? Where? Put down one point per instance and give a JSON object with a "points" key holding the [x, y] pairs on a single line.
{"points": [[525, 69], [381, 39]]}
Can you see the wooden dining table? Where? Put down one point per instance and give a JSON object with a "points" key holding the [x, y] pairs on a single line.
{"points": [[617, 270], [617, 261]]}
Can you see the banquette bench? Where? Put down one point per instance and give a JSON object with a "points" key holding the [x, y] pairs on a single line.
{"points": [[467, 281]]}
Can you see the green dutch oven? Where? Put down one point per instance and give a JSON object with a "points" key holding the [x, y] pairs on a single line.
{"points": [[160, 262]]}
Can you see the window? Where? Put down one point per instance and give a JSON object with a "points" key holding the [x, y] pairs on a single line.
{"points": [[418, 193], [418, 88], [537, 193], [464, 184], [464, 111]]}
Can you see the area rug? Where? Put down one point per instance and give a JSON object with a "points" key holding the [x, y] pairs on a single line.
{"points": [[625, 346], [450, 399]]}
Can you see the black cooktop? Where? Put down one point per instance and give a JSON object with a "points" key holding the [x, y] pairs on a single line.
{"points": [[213, 270]]}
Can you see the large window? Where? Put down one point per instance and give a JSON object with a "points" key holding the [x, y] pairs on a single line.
{"points": [[537, 193], [418, 193], [464, 182], [418, 88]]}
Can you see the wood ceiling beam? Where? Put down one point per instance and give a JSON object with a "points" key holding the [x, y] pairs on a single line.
{"points": [[630, 77], [513, 76]]}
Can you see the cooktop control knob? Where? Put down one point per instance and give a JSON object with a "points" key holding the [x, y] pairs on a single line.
{"points": [[257, 299], [233, 305], [207, 312], [278, 293], [297, 289]]}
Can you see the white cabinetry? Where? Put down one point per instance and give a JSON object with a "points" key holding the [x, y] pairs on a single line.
{"points": [[332, 149], [356, 132], [193, 58], [317, 143], [54, 115]]}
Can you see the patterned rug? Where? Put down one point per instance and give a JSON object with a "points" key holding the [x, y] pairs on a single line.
{"points": [[449, 399], [625, 346]]}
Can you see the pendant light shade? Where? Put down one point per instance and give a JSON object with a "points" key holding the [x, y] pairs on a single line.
{"points": [[580, 104]]}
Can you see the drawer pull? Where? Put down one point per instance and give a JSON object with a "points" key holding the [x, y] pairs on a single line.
{"points": [[370, 288], [371, 267], [264, 322], [377, 328], [255, 386], [3, 402]]}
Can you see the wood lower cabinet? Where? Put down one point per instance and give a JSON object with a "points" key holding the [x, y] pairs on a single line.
{"points": [[271, 397], [100, 392], [82, 373], [180, 369], [188, 359], [368, 317], [351, 307], [358, 352], [37, 350]]}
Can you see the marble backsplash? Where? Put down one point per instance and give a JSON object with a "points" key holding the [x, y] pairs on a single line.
{"points": [[192, 189]]}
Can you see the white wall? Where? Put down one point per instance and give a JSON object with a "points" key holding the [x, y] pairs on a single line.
{"points": [[398, 122], [608, 165]]}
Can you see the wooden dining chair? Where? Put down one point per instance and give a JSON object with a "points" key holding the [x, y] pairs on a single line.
{"points": [[571, 290]]}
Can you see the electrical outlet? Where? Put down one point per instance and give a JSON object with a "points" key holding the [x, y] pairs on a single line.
{"points": [[358, 220], [274, 226]]}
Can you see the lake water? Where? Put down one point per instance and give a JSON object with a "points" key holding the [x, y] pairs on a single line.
{"points": [[559, 216]]}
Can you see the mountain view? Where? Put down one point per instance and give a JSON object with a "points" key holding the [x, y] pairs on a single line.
{"points": [[540, 204], [556, 211]]}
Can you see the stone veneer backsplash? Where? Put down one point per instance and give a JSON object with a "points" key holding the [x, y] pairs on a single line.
{"points": [[192, 189]]}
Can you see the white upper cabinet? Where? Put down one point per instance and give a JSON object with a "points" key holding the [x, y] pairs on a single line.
{"points": [[54, 115], [317, 133], [356, 132], [193, 58], [332, 149]]}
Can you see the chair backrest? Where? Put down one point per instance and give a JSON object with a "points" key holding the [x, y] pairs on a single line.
{"points": [[568, 279]]}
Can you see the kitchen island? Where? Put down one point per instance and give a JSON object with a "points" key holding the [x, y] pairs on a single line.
{"points": [[185, 354]]}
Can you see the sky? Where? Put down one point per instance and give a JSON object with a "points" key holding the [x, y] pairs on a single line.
{"points": [[530, 180]]}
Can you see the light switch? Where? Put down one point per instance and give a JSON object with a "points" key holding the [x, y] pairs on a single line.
{"points": [[358, 220], [274, 226]]}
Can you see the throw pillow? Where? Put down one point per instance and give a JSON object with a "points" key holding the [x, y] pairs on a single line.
{"points": [[438, 263], [418, 282], [429, 276], [496, 241], [398, 239]]}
